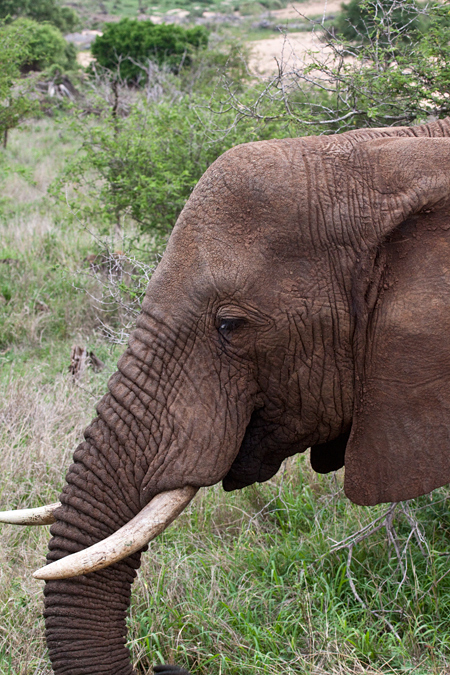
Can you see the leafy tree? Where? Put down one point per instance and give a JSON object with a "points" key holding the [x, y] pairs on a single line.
{"points": [[51, 11], [127, 43], [144, 150], [15, 105], [44, 46]]}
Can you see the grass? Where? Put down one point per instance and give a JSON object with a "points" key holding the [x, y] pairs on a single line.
{"points": [[243, 589], [245, 583], [133, 8]]}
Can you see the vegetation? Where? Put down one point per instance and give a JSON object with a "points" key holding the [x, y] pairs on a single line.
{"points": [[42, 45], [389, 74], [126, 44], [14, 104], [64, 18], [359, 19], [282, 577], [148, 163]]}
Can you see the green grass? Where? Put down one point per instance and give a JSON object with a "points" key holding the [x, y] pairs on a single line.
{"points": [[245, 583], [242, 589], [132, 8]]}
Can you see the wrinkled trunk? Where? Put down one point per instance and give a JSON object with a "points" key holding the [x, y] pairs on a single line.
{"points": [[85, 616], [85, 619]]}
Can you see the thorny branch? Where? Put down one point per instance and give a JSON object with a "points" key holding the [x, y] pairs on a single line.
{"points": [[380, 78], [122, 281]]}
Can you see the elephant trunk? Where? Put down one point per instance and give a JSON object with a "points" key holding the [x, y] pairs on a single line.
{"points": [[85, 615], [85, 621]]}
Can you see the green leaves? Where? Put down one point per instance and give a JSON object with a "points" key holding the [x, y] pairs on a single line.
{"points": [[383, 63], [14, 105], [42, 45], [129, 42], [141, 169]]}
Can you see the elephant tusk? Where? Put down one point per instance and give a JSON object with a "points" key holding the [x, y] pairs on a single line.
{"points": [[139, 531], [40, 516]]}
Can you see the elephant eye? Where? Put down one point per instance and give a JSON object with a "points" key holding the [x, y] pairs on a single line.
{"points": [[226, 326]]}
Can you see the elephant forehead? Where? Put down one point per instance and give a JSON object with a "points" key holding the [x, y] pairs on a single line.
{"points": [[249, 187], [259, 203]]}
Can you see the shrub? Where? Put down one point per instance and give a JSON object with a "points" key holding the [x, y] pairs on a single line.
{"points": [[130, 40], [394, 74], [143, 167], [44, 46], [14, 103]]}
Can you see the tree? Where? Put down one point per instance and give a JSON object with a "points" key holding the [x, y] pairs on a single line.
{"points": [[359, 18], [144, 150], [51, 11], [43, 46], [127, 43], [15, 105]]}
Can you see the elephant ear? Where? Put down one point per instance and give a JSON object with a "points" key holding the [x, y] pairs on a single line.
{"points": [[399, 446]]}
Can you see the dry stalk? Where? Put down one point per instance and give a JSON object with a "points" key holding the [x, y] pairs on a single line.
{"points": [[385, 521]]}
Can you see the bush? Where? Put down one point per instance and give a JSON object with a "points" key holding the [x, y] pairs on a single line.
{"points": [[130, 40], [144, 149], [44, 46], [63, 18], [143, 167]]}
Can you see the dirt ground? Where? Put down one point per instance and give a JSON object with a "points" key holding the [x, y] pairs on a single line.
{"points": [[311, 8], [292, 48]]}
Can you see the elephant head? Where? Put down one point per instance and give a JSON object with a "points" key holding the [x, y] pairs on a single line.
{"points": [[303, 301]]}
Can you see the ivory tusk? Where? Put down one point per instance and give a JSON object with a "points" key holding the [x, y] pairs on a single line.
{"points": [[40, 516], [139, 531]]}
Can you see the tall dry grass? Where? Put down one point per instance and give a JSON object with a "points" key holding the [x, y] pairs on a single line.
{"points": [[40, 426]]}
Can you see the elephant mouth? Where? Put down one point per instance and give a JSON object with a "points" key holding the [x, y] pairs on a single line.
{"points": [[137, 533], [264, 448]]}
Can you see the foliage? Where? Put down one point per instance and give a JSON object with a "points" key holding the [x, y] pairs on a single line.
{"points": [[360, 19], [14, 103], [64, 18], [130, 41], [144, 166], [144, 150], [389, 76], [43, 46]]}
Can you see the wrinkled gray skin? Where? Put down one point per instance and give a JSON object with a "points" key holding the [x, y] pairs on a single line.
{"points": [[303, 300]]}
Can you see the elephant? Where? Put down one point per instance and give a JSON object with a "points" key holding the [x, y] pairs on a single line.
{"points": [[303, 301]]}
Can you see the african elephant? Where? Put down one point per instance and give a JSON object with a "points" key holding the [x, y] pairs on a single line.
{"points": [[303, 301]]}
